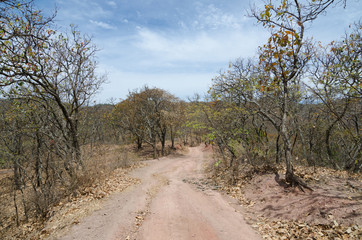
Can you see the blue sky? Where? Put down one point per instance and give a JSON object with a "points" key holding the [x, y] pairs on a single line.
{"points": [[176, 45]]}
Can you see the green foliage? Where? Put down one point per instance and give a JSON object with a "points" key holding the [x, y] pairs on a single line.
{"points": [[149, 115], [265, 110], [46, 79]]}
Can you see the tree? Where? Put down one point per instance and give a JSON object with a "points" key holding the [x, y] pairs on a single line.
{"points": [[42, 65], [47, 78], [22, 30], [284, 57], [62, 78], [125, 117], [96, 126], [147, 115], [195, 128], [175, 118], [336, 74], [245, 126]]}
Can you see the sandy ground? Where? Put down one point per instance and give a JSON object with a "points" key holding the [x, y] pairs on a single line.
{"points": [[166, 205], [333, 199]]}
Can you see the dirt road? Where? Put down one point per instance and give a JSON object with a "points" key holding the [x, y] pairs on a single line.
{"points": [[167, 206]]}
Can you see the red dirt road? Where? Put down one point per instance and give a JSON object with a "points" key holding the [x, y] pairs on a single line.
{"points": [[167, 206]]}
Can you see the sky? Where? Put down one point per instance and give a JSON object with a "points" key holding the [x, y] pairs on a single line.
{"points": [[176, 45]]}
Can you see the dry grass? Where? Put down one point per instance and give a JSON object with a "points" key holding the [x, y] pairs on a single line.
{"points": [[105, 171]]}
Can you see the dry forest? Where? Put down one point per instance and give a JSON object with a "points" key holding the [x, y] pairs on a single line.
{"points": [[279, 133]]}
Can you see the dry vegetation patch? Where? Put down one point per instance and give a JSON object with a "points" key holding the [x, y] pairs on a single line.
{"points": [[107, 168], [89, 199]]}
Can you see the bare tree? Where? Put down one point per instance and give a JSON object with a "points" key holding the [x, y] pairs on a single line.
{"points": [[284, 57], [63, 78], [335, 74], [21, 27]]}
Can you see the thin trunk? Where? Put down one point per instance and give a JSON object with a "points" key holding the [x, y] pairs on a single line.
{"points": [[38, 162], [232, 159], [72, 128], [24, 201], [303, 143], [294, 142], [16, 209], [172, 138], [289, 175], [310, 158], [16, 174], [163, 147], [277, 159], [163, 141], [76, 147], [154, 148], [328, 145], [17, 141], [139, 143]]}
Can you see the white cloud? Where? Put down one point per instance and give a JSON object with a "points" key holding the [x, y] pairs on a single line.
{"points": [[199, 46], [211, 17], [78, 10], [102, 24], [112, 4]]}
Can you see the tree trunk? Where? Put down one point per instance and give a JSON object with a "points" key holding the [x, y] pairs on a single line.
{"points": [[76, 148], [17, 175], [16, 209], [163, 147], [289, 175], [38, 162], [172, 139], [139, 143], [310, 158], [287, 152], [328, 146], [163, 141], [277, 159], [154, 148]]}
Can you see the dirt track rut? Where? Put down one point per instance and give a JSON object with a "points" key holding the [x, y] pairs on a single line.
{"points": [[167, 206]]}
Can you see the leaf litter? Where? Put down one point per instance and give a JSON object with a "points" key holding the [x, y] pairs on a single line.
{"points": [[85, 201], [332, 211]]}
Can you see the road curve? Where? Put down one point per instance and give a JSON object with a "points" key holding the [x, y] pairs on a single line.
{"points": [[167, 206]]}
